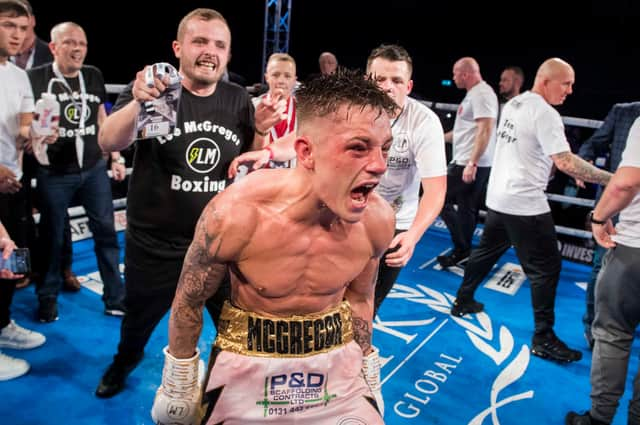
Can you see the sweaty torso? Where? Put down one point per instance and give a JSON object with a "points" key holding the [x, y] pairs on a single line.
{"points": [[292, 267]]}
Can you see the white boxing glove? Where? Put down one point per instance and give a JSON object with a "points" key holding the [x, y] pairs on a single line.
{"points": [[177, 400], [371, 373]]}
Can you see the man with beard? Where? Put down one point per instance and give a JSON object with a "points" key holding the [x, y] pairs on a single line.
{"points": [[174, 176]]}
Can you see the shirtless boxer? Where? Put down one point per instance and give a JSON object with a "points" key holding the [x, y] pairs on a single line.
{"points": [[303, 247]]}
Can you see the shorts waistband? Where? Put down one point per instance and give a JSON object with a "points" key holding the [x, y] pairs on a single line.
{"points": [[253, 334]]}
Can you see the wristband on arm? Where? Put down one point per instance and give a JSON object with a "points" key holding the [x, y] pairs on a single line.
{"points": [[593, 220], [261, 133]]}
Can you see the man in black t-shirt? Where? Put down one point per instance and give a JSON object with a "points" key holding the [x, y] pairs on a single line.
{"points": [[74, 166], [174, 176], [35, 52]]}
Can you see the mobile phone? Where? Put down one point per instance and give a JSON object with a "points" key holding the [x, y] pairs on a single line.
{"points": [[19, 261]]}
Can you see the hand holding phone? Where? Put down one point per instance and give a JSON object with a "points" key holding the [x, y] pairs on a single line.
{"points": [[19, 261]]}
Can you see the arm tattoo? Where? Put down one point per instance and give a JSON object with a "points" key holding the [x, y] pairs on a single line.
{"points": [[200, 278], [362, 333], [579, 168]]}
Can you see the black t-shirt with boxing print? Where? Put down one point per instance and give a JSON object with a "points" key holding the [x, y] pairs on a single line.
{"points": [[62, 154], [175, 176]]}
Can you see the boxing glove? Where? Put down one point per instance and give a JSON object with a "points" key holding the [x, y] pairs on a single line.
{"points": [[177, 400], [371, 373]]}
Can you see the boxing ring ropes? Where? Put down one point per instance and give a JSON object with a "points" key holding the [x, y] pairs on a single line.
{"points": [[121, 203]]}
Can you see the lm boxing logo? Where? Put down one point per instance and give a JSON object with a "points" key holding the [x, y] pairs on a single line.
{"points": [[202, 155], [72, 113]]}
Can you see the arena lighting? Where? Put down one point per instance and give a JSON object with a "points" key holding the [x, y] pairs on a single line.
{"points": [[446, 83]]}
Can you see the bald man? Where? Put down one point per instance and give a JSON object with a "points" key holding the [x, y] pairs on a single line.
{"points": [[473, 137], [530, 141], [75, 168], [328, 63]]}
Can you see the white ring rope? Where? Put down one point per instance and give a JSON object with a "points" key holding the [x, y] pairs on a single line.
{"points": [[583, 202]]}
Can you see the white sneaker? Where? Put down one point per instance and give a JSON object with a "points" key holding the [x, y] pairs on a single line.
{"points": [[11, 367], [19, 338]]}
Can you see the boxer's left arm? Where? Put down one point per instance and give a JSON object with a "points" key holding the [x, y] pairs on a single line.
{"points": [[360, 294], [380, 225]]}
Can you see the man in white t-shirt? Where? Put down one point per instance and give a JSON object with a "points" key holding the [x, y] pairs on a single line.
{"points": [[417, 158], [16, 114], [617, 304], [473, 137], [531, 139]]}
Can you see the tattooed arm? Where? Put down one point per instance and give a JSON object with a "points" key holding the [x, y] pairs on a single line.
{"points": [[216, 242], [360, 295], [578, 168], [361, 291]]}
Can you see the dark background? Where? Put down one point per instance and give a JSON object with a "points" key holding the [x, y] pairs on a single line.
{"points": [[597, 37]]}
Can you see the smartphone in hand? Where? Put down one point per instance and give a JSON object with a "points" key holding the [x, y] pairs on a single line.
{"points": [[19, 261]]}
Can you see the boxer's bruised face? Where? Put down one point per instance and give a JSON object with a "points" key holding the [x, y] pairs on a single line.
{"points": [[350, 150]]}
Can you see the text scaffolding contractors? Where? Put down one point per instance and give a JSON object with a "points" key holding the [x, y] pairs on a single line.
{"points": [[296, 394]]}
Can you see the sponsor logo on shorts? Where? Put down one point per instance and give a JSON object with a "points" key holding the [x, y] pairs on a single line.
{"points": [[293, 336], [286, 394]]}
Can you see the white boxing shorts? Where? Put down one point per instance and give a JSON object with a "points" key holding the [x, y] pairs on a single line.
{"points": [[287, 370]]}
